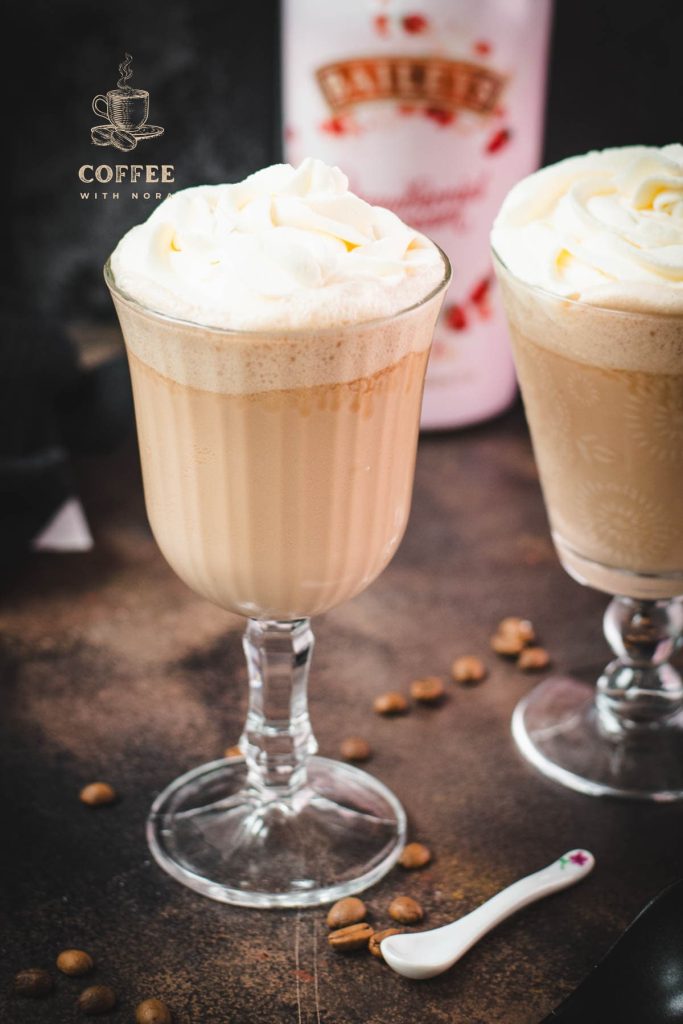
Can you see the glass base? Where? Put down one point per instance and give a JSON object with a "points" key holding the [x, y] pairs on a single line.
{"points": [[560, 730], [338, 834]]}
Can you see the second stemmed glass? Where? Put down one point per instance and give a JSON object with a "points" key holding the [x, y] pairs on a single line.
{"points": [[603, 394], [278, 470]]}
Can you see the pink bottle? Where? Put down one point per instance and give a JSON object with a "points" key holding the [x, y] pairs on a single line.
{"points": [[433, 108]]}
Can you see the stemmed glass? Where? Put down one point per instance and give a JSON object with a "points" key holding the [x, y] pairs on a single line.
{"points": [[278, 470], [603, 394]]}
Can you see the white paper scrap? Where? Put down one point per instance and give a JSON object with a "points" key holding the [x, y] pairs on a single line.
{"points": [[68, 530]]}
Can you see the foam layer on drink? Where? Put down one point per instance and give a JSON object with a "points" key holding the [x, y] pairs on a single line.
{"points": [[601, 230], [254, 362]]}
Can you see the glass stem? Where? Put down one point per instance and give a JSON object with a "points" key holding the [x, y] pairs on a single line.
{"points": [[640, 688], [278, 739]]}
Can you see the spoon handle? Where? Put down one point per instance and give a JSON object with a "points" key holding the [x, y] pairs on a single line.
{"points": [[567, 870]]}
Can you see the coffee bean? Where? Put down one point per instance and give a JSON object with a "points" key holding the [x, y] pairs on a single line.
{"points": [[391, 703], [33, 983], [468, 669], [354, 937], [353, 748], [234, 751], [97, 999], [123, 140], [350, 910], [74, 962], [429, 690], [100, 135], [405, 910], [153, 1011], [415, 855], [521, 628], [98, 794], [376, 939], [507, 644], [533, 658]]}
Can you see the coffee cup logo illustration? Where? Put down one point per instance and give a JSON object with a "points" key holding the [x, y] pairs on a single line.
{"points": [[125, 110]]}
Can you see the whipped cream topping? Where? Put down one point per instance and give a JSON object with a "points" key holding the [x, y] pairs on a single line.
{"points": [[285, 248], [606, 228]]}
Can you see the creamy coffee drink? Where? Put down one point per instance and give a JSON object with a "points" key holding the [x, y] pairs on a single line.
{"points": [[278, 332], [591, 263]]}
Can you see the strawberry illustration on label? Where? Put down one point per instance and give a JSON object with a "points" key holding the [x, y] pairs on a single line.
{"points": [[440, 116], [480, 291], [414, 23], [498, 140], [455, 317], [339, 125]]}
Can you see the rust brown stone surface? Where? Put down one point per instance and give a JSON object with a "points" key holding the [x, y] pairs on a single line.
{"points": [[111, 668]]}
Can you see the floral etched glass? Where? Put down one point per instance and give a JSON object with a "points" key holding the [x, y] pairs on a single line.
{"points": [[603, 394]]}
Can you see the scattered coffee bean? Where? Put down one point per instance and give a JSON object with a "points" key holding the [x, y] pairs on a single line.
{"points": [[98, 794], [353, 748], [415, 855], [232, 751], [344, 912], [33, 982], [153, 1011], [429, 690], [376, 939], [354, 937], [533, 658], [74, 962], [522, 628], [468, 669], [507, 644], [97, 999], [405, 910], [391, 703]]}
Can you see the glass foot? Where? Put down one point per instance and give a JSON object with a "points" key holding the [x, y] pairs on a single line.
{"points": [[336, 835], [560, 730]]}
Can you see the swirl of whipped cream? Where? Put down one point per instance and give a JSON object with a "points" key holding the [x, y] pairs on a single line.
{"points": [[285, 248], [606, 227]]}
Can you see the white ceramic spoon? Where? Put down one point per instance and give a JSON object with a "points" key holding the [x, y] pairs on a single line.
{"points": [[424, 954]]}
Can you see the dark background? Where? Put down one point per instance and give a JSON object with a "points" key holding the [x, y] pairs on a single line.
{"points": [[211, 69]]}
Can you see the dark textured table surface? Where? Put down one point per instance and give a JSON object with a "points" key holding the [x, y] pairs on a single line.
{"points": [[111, 668]]}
